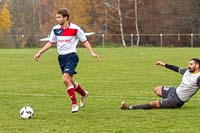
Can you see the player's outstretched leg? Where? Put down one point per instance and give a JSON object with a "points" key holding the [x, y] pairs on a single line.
{"points": [[124, 106]]}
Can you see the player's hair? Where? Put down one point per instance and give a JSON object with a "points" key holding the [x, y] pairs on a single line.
{"points": [[196, 60], [64, 12]]}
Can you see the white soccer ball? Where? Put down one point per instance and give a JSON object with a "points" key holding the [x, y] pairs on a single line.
{"points": [[26, 112]]}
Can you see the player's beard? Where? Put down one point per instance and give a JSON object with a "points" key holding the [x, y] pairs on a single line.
{"points": [[191, 69]]}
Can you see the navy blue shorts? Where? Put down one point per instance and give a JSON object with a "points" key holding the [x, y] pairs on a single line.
{"points": [[68, 63]]}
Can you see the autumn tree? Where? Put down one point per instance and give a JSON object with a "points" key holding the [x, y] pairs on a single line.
{"points": [[5, 21], [79, 11], [79, 14], [33, 19]]}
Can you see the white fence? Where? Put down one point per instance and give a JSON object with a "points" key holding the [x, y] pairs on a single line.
{"points": [[160, 40], [161, 37]]}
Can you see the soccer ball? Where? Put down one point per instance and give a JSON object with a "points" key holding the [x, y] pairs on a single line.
{"points": [[26, 112]]}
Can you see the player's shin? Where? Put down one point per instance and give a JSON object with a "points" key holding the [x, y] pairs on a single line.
{"points": [[72, 95], [79, 89], [143, 106]]}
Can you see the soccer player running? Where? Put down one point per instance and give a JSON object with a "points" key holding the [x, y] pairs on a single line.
{"points": [[67, 35], [174, 97]]}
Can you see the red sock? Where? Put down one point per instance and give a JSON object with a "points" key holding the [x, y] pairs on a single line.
{"points": [[80, 90], [72, 95]]}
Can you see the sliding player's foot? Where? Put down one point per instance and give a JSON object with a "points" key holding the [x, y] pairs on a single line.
{"points": [[124, 106]]}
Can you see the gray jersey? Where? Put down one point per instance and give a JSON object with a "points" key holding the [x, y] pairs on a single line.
{"points": [[189, 86]]}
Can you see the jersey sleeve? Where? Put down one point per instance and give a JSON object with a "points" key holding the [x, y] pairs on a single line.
{"points": [[172, 67], [52, 37], [198, 81], [81, 35], [176, 69], [182, 70]]}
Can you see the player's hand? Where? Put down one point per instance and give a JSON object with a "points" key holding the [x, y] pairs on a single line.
{"points": [[37, 56], [160, 63], [95, 56]]}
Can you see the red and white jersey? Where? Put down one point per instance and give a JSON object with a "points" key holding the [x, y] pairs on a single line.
{"points": [[67, 39]]}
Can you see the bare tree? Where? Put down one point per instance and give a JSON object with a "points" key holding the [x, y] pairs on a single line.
{"points": [[121, 23], [125, 17], [136, 24]]}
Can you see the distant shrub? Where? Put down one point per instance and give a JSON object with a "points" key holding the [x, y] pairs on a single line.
{"points": [[5, 45]]}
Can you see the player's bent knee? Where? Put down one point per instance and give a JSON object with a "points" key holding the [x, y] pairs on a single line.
{"points": [[158, 90], [66, 79]]}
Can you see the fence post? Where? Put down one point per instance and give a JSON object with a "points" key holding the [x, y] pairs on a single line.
{"points": [[192, 35], [23, 40], [161, 40], [131, 40], [103, 40], [179, 38]]}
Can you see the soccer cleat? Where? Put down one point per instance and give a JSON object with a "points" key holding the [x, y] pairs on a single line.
{"points": [[75, 108], [124, 106], [83, 100]]}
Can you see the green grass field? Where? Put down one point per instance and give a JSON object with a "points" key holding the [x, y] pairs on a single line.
{"points": [[121, 74]]}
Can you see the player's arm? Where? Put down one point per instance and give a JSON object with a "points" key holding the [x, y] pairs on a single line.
{"points": [[90, 50], [42, 50], [171, 67], [83, 39]]}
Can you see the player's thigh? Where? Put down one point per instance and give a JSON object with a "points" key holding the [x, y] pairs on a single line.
{"points": [[170, 102], [166, 90], [167, 103], [67, 79]]}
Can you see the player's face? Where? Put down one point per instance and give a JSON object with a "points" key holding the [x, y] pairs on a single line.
{"points": [[60, 19], [192, 66]]}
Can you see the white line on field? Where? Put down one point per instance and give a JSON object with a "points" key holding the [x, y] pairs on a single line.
{"points": [[101, 97], [49, 95]]}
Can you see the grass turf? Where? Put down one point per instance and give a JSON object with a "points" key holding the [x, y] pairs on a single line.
{"points": [[121, 74]]}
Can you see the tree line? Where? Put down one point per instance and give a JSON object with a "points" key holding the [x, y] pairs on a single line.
{"points": [[24, 22]]}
